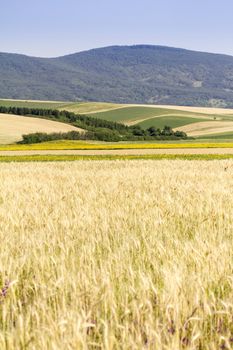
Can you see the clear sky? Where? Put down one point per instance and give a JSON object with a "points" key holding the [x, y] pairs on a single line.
{"points": [[50, 28]]}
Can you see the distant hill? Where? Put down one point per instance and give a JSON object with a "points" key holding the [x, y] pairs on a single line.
{"points": [[122, 74]]}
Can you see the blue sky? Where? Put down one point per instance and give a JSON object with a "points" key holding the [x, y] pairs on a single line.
{"points": [[50, 28]]}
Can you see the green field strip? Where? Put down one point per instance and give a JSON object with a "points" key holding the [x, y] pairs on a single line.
{"points": [[70, 158], [172, 121], [32, 104], [90, 107], [219, 136], [132, 114]]}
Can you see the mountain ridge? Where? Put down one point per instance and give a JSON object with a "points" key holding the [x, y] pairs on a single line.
{"points": [[124, 74], [121, 46]]}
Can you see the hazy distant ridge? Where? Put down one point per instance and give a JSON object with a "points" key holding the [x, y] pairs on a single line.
{"points": [[126, 74]]}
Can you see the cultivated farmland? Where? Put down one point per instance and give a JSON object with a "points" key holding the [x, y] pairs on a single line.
{"points": [[195, 121], [208, 128], [138, 256], [136, 114], [91, 107]]}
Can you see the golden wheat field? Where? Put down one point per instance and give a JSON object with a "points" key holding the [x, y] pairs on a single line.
{"points": [[12, 127], [116, 255]]}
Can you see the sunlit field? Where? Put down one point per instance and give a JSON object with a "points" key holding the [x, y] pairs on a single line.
{"points": [[12, 127], [81, 145], [116, 255]]}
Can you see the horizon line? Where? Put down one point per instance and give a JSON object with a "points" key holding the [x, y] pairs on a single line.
{"points": [[117, 46]]}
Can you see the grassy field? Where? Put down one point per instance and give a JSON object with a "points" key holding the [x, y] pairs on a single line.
{"points": [[12, 127], [130, 114], [206, 128], [138, 256], [172, 121], [134, 115], [32, 104], [152, 157], [140, 111], [90, 107], [222, 136], [203, 110]]}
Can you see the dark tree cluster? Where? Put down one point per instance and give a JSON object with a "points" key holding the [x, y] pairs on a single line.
{"points": [[39, 137]]}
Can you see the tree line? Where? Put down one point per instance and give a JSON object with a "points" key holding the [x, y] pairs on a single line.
{"points": [[78, 120]]}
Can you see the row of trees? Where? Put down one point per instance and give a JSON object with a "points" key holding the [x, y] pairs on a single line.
{"points": [[96, 129], [43, 137], [79, 120]]}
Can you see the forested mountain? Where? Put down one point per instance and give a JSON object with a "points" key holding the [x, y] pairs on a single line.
{"points": [[125, 74]]}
